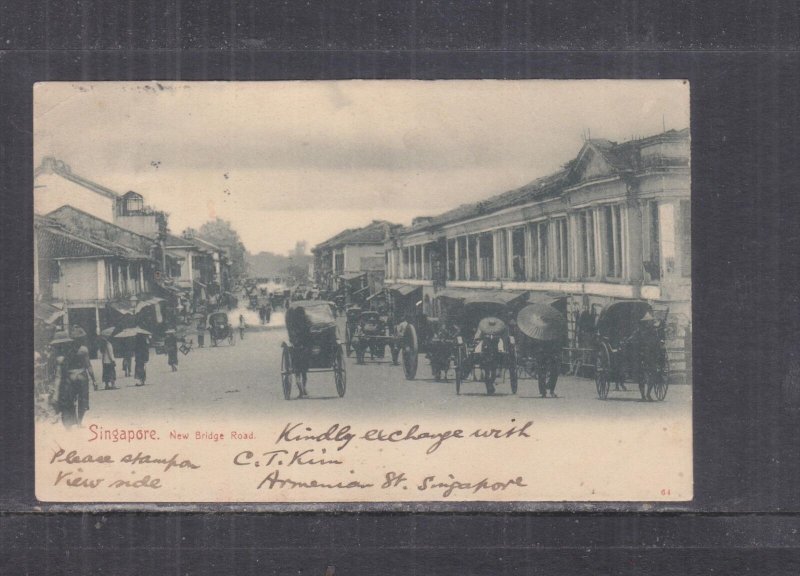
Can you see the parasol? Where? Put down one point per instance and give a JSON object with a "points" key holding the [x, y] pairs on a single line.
{"points": [[77, 332], [542, 322], [492, 326], [131, 332]]}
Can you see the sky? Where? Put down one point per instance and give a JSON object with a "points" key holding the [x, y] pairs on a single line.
{"points": [[303, 160]]}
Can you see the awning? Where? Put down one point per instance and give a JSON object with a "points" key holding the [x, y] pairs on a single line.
{"points": [[503, 297], [47, 313], [454, 293], [351, 275], [549, 298], [127, 306], [404, 289]]}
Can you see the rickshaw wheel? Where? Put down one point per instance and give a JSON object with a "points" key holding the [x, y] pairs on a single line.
{"points": [[286, 373], [602, 369], [661, 384], [512, 367], [459, 367], [348, 340], [410, 352], [339, 372]]}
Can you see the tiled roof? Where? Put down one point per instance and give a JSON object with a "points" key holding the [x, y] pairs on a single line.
{"points": [[172, 241], [106, 233], [373, 233], [621, 157], [541, 188], [56, 241]]}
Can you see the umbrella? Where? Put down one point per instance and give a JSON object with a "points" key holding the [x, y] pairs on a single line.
{"points": [[542, 322], [60, 337], [77, 332], [492, 326], [131, 332]]}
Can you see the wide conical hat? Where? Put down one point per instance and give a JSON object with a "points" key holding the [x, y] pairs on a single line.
{"points": [[492, 326]]}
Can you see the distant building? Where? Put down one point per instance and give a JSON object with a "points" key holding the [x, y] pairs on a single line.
{"points": [[354, 257]]}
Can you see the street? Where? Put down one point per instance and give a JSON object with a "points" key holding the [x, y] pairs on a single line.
{"points": [[573, 446], [232, 382]]}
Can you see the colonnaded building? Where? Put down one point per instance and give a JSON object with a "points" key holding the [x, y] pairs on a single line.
{"points": [[613, 224]]}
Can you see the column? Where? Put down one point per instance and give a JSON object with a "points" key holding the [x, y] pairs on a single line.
{"points": [[528, 255], [467, 274], [632, 241], [424, 274], [446, 260], [573, 246], [509, 253], [457, 256], [101, 279]]}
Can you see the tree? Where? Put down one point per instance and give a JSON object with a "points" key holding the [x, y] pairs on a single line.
{"points": [[221, 233]]}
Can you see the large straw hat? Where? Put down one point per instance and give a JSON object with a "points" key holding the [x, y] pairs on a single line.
{"points": [[492, 326], [60, 337]]}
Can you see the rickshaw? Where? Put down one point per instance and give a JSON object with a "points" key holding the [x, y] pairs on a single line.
{"points": [[313, 345], [542, 331], [220, 328], [631, 347], [373, 333], [492, 351], [352, 315], [253, 302]]}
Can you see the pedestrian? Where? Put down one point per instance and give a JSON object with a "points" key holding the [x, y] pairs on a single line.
{"points": [[106, 351], [490, 348], [141, 355], [242, 326], [74, 369], [548, 364], [171, 346], [201, 331], [126, 350]]}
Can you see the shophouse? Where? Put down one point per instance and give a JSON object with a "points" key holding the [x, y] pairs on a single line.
{"points": [[614, 223], [353, 258]]}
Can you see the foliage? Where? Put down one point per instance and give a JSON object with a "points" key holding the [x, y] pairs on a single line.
{"points": [[221, 233]]}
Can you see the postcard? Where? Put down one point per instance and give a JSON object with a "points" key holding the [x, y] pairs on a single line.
{"points": [[363, 292]]}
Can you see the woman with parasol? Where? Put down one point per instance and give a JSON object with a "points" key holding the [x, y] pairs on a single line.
{"points": [[73, 371], [546, 330]]}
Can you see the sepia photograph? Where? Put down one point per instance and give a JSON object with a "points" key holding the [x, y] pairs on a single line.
{"points": [[363, 291]]}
